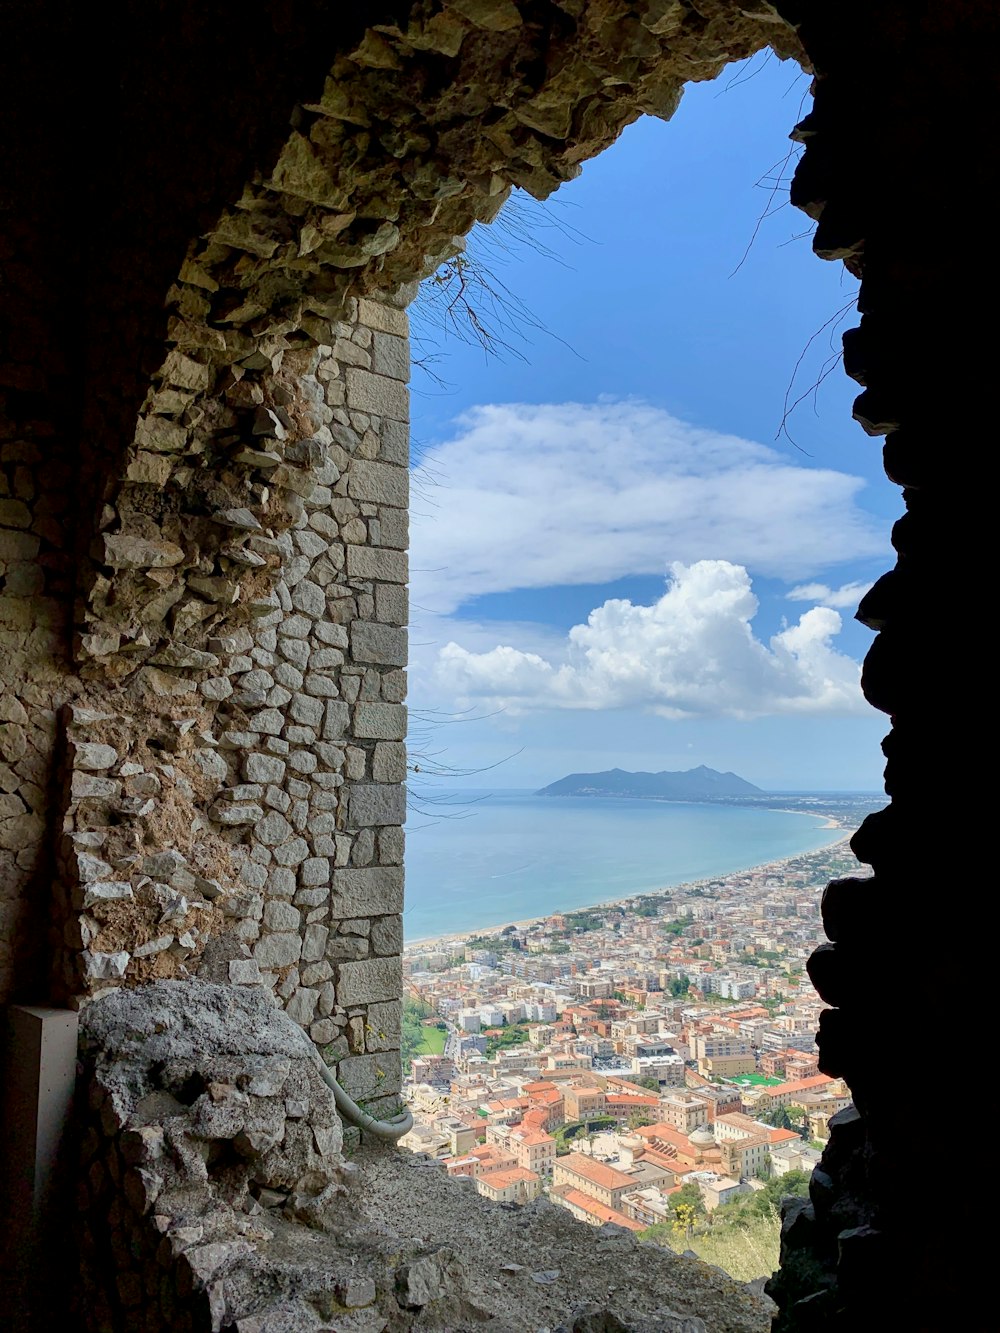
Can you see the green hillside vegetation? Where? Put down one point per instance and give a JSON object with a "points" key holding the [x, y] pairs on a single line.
{"points": [[741, 1237]]}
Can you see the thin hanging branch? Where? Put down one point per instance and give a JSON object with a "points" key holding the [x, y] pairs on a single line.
{"points": [[829, 364]]}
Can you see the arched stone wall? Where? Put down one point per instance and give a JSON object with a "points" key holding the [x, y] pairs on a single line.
{"points": [[164, 467], [262, 482]]}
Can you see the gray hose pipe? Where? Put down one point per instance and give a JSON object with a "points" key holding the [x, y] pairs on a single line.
{"points": [[389, 1131]]}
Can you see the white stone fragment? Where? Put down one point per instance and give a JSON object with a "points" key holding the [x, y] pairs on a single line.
{"points": [[242, 519], [105, 966], [161, 943], [92, 755], [107, 891]]}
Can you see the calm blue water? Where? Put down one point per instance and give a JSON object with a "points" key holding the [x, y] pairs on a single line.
{"points": [[513, 855]]}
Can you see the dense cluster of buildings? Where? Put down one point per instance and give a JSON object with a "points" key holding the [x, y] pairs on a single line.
{"points": [[610, 1057]]}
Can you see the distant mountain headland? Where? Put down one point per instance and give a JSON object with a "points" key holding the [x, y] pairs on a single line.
{"points": [[697, 784]]}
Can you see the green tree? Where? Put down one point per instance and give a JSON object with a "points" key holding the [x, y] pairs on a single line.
{"points": [[688, 1196], [779, 1118], [414, 1013]]}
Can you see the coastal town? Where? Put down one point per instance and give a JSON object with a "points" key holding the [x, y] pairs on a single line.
{"points": [[634, 1060]]}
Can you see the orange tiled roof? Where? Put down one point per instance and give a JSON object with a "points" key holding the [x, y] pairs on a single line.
{"points": [[800, 1085], [599, 1210], [606, 1177], [782, 1135], [667, 1134], [531, 1136], [670, 1163], [536, 1119], [510, 1176], [547, 1096]]}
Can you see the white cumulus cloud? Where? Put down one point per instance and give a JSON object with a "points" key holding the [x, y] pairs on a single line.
{"points": [[693, 653], [532, 496]]}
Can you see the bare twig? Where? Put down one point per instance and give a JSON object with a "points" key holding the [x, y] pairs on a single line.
{"points": [[827, 367]]}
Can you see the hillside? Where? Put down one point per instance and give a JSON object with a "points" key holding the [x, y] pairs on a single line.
{"points": [[696, 784]]}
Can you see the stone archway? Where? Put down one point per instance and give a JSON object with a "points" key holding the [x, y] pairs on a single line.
{"points": [[167, 486]]}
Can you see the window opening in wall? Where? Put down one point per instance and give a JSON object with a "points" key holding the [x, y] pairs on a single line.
{"points": [[642, 521]]}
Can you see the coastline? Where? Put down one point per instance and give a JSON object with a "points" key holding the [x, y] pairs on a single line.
{"points": [[458, 937]]}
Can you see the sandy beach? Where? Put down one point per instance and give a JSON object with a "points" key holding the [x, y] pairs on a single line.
{"points": [[459, 937]]}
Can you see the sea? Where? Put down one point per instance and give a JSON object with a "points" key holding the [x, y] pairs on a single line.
{"points": [[482, 859]]}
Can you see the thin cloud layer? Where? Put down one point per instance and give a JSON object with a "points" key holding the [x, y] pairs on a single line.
{"points": [[531, 496], [847, 595], [692, 653]]}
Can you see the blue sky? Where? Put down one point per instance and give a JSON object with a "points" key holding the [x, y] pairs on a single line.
{"points": [[619, 558]]}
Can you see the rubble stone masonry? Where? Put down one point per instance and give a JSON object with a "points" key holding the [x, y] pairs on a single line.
{"points": [[231, 803]]}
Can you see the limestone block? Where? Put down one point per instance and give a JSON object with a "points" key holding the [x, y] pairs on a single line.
{"points": [[385, 318], [320, 686], [314, 871], [314, 943], [281, 882], [391, 842], [380, 722], [376, 562], [18, 546], [302, 1006], [14, 514], [161, 436], [125, 551], [367, 891], [269, 721], [309, 598], [379, 483], [383, 1028], [372, 803], [280, 915], [263, 768], [150, 469], [384, 645], [107, 891], [389, 762], [92, 755], [377, 394], [394, 528], [390, 355], [368, 1076], [387, 936], [224, 813], [273, 829], [334, 635], [368, 981], [306, 709], [244, 972], [394, 684], [185, 372], [322, 659], [292, 853], [277, 950], [394, 444], [336, 719], [346, 948], [105, 966]]}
